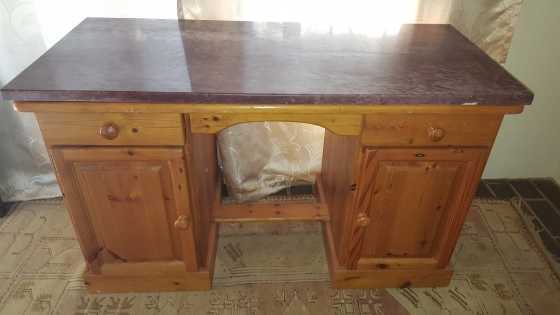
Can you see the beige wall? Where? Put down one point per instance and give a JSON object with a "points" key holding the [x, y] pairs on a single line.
{"points": [[528, 144]]}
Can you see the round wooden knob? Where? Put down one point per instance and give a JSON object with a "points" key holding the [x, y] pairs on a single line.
{"points": [[109, 131], [436, 134], [363, 220], [182, 222]]}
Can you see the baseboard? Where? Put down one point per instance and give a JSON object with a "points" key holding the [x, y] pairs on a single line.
{"points": [[154, 277], [389, 278], [96, 283]]}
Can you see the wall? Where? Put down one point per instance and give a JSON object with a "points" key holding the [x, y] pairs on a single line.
{"points": [[528, 145]]}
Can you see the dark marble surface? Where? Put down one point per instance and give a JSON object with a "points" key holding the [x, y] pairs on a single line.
{"points": [[141, 60]]}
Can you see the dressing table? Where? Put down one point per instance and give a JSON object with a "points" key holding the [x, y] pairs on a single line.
{"points": [[129, 110]]}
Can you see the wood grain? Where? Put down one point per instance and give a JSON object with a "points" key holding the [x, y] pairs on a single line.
{"points": [[203, 180], [224, 108], [145, 268], [130, 198], [192, 253], [271, 211], [212, 248], [419, 129], [119, 153], [128, 214], [417, 276], [133, 129], [341, 156], [411, 196], [392, 197], [455, 222], [96, 283], [397, 263], [397, 278], [73, 200], [340, 124]]}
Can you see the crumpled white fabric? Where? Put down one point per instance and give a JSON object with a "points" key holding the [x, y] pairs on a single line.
{"points": [[25, 169], [259, 159]]}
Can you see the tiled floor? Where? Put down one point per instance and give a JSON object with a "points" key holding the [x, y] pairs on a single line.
{"points": [[539, 197]]}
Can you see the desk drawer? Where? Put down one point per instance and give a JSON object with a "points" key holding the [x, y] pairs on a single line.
{"points": [[111, 129], [430, 130]]}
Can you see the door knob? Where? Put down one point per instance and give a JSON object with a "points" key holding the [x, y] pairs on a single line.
{"points": [[436, 134], [109, 131], [182, 223], [362, 219]]}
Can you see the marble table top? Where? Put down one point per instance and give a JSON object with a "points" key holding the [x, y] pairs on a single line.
{"points": [[170, 61]]}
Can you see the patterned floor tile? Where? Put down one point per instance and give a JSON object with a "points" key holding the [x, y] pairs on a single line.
{"points": [[365, 301], [498, 270], [39, 219], [55, 256], [76, 301], [15, 249], [539, 291], [469, 293], [33, 296], [475, 224], [270, 256], [499, 217], [5, 283], [476, 253]]}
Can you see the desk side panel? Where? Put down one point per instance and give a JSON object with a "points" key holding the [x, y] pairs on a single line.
{"points": [[341, 156], [203, 175]]}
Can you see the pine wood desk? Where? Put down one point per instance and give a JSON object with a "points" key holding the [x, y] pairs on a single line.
{"points": [[130, 108]]}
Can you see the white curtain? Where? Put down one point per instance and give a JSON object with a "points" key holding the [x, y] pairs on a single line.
{"points": [[27, 29], [25, 170]]}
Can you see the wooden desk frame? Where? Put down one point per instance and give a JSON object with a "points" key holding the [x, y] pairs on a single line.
{"points": [[359, 139]]}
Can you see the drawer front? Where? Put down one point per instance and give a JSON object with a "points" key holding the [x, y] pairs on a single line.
{"points": [[430, 130], [111, 129]]}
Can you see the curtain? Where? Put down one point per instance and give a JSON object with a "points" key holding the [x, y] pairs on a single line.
{"points": [[258, 159], [27, 29], [487, 23], [25, 170]]}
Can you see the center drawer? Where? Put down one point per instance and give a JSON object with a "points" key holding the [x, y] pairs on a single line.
{"points": [[111, 128]]}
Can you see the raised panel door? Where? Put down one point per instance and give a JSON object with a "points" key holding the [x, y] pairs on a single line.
{"points": [[411, 204], [134, 201]]}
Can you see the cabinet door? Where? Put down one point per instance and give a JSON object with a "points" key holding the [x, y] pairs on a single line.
{"points": [[129, 203], [410, 206]]}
